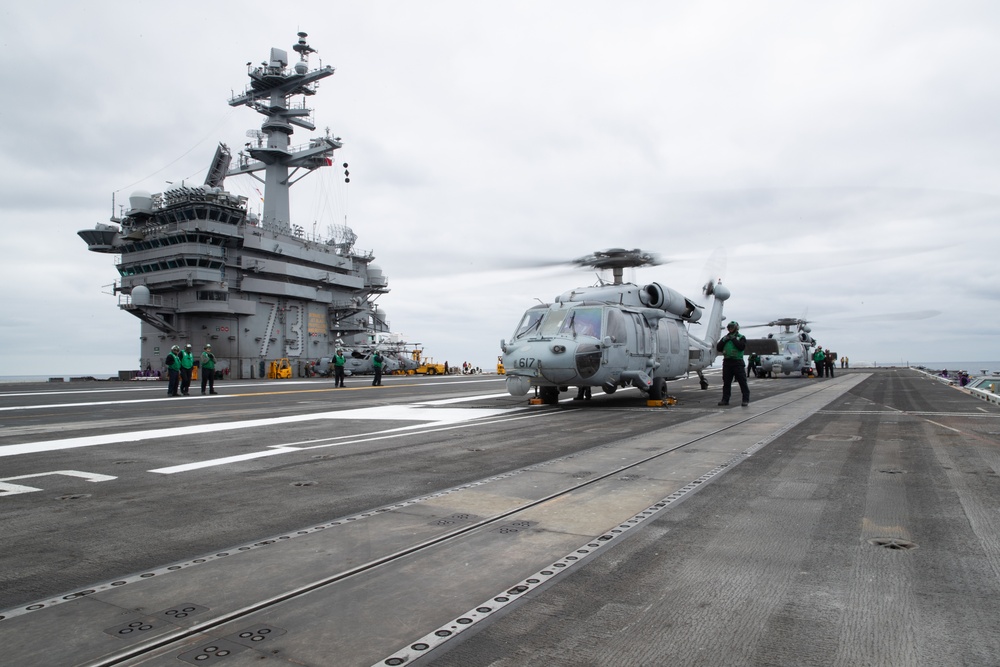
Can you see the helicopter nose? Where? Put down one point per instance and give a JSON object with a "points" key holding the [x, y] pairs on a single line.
{"points": [[518, 385], [588, 360], [558, 361]]}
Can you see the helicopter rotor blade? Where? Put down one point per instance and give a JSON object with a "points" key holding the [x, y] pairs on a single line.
{"points": [[892, 317], [787, 322], [618, 258], [714, 271]]}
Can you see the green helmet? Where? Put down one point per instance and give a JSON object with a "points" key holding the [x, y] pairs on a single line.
{"points": [[733, 324]]}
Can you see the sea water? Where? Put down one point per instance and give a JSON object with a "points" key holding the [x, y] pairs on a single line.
{"points": [[970, 367], [56, 378]]}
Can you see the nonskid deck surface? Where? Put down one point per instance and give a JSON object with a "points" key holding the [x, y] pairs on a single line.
{"points": [[817, 523]]}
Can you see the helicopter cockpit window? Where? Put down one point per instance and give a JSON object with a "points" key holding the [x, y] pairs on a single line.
{"points": [[582, 322], [553, 322], [794, 349], [529, 323], [616, 326]]}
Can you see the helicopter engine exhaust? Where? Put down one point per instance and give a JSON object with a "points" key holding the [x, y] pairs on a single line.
{"points": [[656, 295]]}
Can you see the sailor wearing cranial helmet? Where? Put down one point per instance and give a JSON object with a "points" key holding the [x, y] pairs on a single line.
{"points": [[207, 371], [173, 363], [731, 346]]}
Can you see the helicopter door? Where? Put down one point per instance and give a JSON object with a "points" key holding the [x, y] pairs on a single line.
{"points": [[663, 343], [616, 328], [669, 353], [643, 338]]}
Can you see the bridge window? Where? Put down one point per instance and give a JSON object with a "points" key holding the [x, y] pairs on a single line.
{"points": [[212, 295]]}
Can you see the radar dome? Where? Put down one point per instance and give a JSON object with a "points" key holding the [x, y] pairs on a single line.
{"points": [[140, 295], [375, 276], [301, 67], [141, 201]]}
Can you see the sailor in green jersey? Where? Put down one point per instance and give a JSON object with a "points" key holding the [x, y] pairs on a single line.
{"points": [[173, 362], [377, 362], [187, 363], [207, 371], [820, 358], [338, 368], [731, 346]]}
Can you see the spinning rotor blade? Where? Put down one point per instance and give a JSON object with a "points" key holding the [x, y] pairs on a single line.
{"points": [[715, 269], [618, 258], [781, 322], [613, 259], [895, 317]]}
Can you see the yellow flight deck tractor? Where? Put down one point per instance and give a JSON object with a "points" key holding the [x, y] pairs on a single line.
{"points": [[280, 369], [425, 366]]}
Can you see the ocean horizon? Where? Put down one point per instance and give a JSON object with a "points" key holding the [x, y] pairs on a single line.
{"points": [[970, 367]]}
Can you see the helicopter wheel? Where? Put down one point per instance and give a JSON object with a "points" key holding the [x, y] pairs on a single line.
{"points": [[549, 395], [657, 390], [704, 384], [609, 388]]}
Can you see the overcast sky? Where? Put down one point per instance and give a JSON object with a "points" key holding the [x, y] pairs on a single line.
{"points": [[842, 158]]}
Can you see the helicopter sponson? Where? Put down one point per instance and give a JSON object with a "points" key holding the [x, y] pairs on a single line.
{"points": [[610, 336]]}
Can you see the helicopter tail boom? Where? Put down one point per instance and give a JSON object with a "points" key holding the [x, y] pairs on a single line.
{"points": [[703, 353]]}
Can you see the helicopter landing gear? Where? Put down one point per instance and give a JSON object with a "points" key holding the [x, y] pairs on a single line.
{"points": [[609, 388], [549, 395], [657, 390], [702, 381]]}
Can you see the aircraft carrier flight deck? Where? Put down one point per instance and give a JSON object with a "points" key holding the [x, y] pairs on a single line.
{"points": [[851, 520]]}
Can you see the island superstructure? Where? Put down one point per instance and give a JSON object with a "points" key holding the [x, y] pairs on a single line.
{"points": [[198, 266]]}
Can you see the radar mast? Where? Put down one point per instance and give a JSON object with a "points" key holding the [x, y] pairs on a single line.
{"points": [[272, 86]]}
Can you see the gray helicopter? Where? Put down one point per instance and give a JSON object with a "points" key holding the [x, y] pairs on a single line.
{"points": [[358, 360], [793, 354], [612, 335], [398, 354]]}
